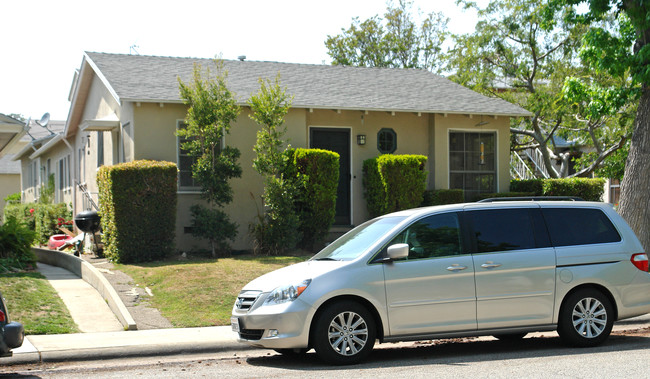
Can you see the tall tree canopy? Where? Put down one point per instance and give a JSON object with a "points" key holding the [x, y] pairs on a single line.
{"points": [[523, 51], [616, 51], [393, 41]]}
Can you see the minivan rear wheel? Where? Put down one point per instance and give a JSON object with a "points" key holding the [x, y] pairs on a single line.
{"points": [[586, 318], [344, 333]]}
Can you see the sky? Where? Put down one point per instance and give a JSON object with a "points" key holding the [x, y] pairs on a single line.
{"points": [[43, 41]]}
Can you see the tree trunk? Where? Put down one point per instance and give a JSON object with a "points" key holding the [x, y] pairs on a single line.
{"points": [[635, 199]]}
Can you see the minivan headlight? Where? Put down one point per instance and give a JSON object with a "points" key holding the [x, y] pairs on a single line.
{"points": [[287, 293]]}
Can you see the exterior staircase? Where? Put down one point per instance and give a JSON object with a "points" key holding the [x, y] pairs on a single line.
{"points": [[528, 165]]}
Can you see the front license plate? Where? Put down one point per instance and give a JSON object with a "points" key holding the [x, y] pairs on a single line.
{"points": [[234, 323]]}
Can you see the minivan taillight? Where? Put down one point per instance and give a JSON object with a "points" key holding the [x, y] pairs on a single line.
{"points": [[3, 318], [640, 261]]}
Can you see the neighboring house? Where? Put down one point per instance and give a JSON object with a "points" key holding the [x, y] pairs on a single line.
{"points": [[127, 107], [10, 132], [43, 153]]}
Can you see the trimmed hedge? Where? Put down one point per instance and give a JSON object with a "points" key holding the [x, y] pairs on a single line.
{"points": [[443, 196], [502, 194], [137, 204], [586, 188], [43, 219], [394, 182], [316, 172]]}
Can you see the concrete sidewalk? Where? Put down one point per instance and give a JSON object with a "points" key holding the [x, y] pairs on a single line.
{"points": [[134, 343]]}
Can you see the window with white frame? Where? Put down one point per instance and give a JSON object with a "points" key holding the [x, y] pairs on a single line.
{"points": [[100, 149]]}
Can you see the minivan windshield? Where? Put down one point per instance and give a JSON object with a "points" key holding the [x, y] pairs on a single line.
{"points": [[358, 240]]}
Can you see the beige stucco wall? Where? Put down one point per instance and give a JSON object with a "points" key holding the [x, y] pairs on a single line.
{"points": [[9, 184]]}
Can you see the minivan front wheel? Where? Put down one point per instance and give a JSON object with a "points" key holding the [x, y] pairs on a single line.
{"points": [[586, 318], [344, 333]]}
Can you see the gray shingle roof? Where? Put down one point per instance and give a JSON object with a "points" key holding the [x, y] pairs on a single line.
{"points": [[150, 78]]}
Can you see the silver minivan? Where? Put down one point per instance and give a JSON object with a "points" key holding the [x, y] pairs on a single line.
{"points": [[503, 268]]}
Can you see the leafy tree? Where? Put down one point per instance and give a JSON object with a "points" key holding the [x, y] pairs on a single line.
{"points": [[394, 41], [616, 51], [276, 230], [212, 107], [47, 191], [522, 52]]}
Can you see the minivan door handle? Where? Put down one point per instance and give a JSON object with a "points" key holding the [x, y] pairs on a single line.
{"points": [[490, 264], [456, 267]]}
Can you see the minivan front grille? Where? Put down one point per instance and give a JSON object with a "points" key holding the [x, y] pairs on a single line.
{"points": [[246, 299], [251, 334]]}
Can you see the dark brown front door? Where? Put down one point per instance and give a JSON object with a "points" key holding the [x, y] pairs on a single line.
{"points": [[338, 141]]}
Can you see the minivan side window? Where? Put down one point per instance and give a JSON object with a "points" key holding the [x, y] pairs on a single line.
{"points": [[433, 236], [502, 229], [579, 226]]}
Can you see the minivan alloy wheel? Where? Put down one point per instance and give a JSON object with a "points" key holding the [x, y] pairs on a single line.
{"points": [[586, 318], [589, 317], [348, 333], [344, 333]]}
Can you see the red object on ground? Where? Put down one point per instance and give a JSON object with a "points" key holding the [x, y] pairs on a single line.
{"points": [[57, 241]]}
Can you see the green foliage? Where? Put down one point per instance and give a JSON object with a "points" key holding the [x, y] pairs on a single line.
{"points": [[317, 176], [394, 182], [443, 196], [523, 51], [15, 246], [23, 212], [586, 188], [533, 186], [13, 198], [214, 225], [270, 106], [43, 219], [47, 220], [211, 110], [276, 229], [482, 196], [395, 41], [138, 210], [47, 191]]}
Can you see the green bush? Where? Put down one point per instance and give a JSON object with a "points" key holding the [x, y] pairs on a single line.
{"points": [[586, 188], [14, 198], [317, 177], [44, 219], [394, 182], [24, 213], [443, 196], [15, 246], [534, 186], [137, 204], [47, 220]]}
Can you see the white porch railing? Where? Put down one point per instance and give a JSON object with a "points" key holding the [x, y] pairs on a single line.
{"points": [[518, 168], [537, 159]]}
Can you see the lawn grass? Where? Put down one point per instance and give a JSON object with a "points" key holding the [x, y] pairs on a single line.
{"points": [[201, 293], [33, 302]]}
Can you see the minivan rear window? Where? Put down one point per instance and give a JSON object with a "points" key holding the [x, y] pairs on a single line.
{"points": [[579, 226]]}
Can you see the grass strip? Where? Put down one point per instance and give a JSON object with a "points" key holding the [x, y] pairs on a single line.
{"points": [[201, 293], [33, 302]]}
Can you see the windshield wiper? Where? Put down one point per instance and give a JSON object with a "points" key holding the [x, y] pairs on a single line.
{"points": [[326, 259]]}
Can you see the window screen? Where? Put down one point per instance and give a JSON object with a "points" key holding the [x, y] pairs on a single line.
{"points": [[433, 236], [579, 226], [502, 229]]}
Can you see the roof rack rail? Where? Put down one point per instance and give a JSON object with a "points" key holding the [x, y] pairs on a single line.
{"points": [[532, 198]]}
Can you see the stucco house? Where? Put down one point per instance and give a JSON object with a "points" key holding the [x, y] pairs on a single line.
{"points": [[127, 107], [11, 131]]}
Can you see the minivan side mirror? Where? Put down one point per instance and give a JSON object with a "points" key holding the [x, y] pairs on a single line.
{"points": [[398, 251]]}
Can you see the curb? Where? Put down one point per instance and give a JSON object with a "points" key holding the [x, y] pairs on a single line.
{"points": [[92, 276]]}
